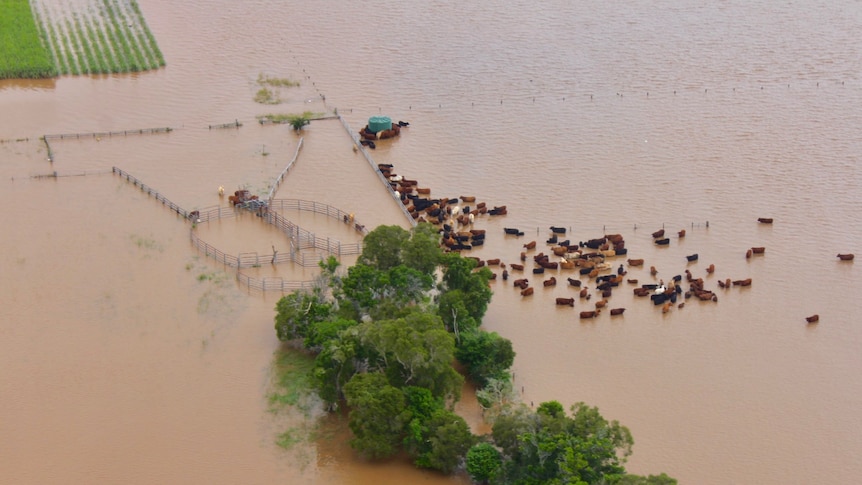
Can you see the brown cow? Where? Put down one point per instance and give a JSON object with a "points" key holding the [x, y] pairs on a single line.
{"points": [[521, 283], [614, 238], [636, 262], [566, 301], [493, 262], [758, 250], [846, 257], [748, 254], [601, 303], [764, 220], [710, 269], [813, 318], [505, 274], [574, 282], [658, 234], [584, 293], [550, 282], [567, 265], [617, 311], [530, 245], [527, 291], [633, 282], [516, 267], [589, 314], [681, 233], [745, 282]]}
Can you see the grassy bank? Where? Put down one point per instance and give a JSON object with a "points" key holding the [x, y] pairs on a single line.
{"points": [[22, 53]]}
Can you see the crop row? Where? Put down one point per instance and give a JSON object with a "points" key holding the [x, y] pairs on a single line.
{"points": [[105, 36], [22, 53]]}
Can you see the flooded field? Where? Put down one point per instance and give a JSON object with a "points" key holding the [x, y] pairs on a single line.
{"points": [[129, 356]]}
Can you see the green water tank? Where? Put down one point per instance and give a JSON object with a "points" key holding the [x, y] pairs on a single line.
{"points": [[379, 123]]}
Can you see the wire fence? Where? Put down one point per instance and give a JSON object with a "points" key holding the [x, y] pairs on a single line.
{"points": [[280, 178], [107, 134], [383, 180], [150, 191], [271, 283]]}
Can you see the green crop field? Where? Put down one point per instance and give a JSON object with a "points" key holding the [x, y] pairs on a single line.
{"points": [[22, 54], [42, 38]]}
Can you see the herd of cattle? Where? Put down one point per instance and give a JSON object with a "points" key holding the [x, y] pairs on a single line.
{"points": [[593, 259]]}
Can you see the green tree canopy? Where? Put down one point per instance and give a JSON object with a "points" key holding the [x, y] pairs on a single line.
{"points": [[370, 290], [378, 413], [415, 350], [487, 355], [297, 311], [444, 439], [483, 462], [549, 447], [381, 248], [422, 251], [458, 274]]}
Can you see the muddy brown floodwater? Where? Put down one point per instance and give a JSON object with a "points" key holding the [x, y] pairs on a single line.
{"points": [[129, 356]]}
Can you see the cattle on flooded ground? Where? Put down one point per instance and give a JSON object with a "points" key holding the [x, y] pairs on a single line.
{"points": [[527, 291], [590, 314], [617, 311], [566, 301]]}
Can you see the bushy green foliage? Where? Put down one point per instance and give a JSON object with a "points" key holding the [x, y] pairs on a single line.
{"points": [[550, 447], [483, 462], [297, 311], [487, 355], [413, 351], [422, 251], [378, 413], [381, 248]]}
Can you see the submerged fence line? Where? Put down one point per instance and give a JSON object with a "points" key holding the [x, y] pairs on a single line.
{"points": [[272, 283], [141, 131], [280, 178], [373, 164], [150, 191], [234, 124]]}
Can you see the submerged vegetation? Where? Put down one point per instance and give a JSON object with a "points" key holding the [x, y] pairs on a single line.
{"points": [[269, 92], [44, 39], [296, 121], [384, 335]]}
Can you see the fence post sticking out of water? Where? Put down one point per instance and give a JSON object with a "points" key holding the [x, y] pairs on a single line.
{"points": [[234, 124], [144, 188], [280, 177], [371, 162], [48, 146]]}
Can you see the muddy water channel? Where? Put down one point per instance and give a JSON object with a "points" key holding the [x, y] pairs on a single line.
{"points": [[127, 355]]}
